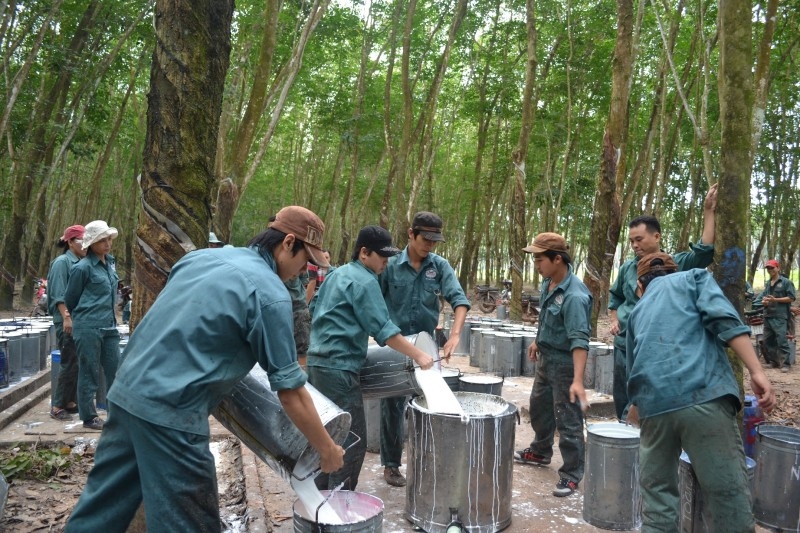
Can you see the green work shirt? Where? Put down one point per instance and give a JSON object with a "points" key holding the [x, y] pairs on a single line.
{"points": [[222, 311], [412, 296], [623, 292], [782, 288], [564, 319], [345, 313], [91, 292], [57, 278]]}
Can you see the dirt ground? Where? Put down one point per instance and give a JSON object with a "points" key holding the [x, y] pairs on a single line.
{"points": [[254, 498]]}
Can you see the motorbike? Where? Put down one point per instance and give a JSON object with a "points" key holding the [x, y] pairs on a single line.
{"points": [[488, 298]]}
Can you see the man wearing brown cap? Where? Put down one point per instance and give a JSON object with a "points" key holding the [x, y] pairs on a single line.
{"points": [[777, 299], [65, 394], [347, 310], [684, 395], [558, 399], [644, 235], [413, 283], [221, 312]]}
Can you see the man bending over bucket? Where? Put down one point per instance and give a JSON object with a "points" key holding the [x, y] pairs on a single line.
{"points": [[221, 311], [684, 395], [558, 399], [347, 310]]}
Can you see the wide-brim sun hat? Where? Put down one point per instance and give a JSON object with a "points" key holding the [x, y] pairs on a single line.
{"points": [[97, 230]]}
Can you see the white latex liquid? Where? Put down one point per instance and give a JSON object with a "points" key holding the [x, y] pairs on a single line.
{"points": [[438, 396], [311, 498]]}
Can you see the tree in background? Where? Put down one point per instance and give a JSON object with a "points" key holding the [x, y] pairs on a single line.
{"points": [[190, 61]]}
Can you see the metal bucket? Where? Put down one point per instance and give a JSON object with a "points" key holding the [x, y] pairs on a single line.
{"points": [[388, 374], [528, 366], [452, 377], [507, 359], [31, 346], [502, 312], [488, 350], [481, 383], [254, 413], [776, 494], [462, 348], [611, 494], [461, 472], [695, 516], [604, 370], [588, 374], [14, 356], [475, 346], [360, 512]]}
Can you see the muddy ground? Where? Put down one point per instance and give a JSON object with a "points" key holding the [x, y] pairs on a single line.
{"points": [[254, 498]]}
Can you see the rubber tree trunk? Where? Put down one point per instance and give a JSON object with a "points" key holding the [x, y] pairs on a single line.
{"points": [[190, 61]]}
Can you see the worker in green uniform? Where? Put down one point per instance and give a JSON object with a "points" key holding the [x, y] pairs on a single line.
{"points": [[413, 284], [777, 299], [347, 310]]}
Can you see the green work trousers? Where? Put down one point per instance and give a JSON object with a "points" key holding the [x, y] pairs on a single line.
{"points": [[136, 461], [97, 347], [776, 344], [709, 433], [392, 437], [550, 408], [66, 386], [343, 389]]}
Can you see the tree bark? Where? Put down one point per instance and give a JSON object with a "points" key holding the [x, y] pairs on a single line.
{"points": [[606, 220], [193, 43]]}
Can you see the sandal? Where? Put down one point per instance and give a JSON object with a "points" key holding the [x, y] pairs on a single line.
{"points": [[60, 414]]}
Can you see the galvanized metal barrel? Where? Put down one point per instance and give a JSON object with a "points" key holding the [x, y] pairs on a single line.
{"points": [[481, 383], [508, 361], [475, 346], [695, 515], [14, 355], [776, 493], [461, 471], [588, 373], [462, 348], [254, 413], [604, 370], [360, 512], [3, 362], [528, 366], [488, 350], [611, 495], [388, 374]]}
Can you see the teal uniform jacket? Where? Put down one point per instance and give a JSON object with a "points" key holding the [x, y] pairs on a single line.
{"points": [[675, 344], [413, 296], [782, 288], [347, 310], [623, 291], [57, 278], [91, 292], [199, 339], [565, 319]]}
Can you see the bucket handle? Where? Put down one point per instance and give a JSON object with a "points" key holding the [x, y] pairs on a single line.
{"points": [[328, 497], [315, 472]]}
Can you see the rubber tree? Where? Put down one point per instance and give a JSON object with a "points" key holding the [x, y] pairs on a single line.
{"points": [[190, 61], [606, 220], [735, 86]]}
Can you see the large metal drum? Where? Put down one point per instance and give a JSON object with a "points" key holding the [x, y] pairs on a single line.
{"points": [[388, 374], [254, 413], [460, 472], [611, 495], [776, 493]]}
